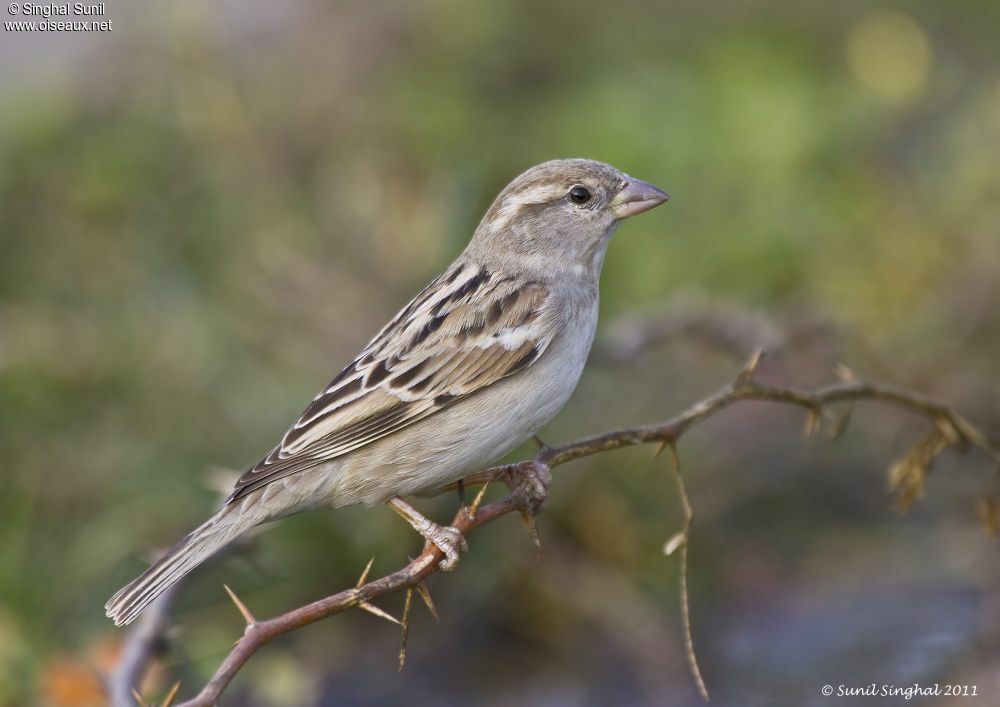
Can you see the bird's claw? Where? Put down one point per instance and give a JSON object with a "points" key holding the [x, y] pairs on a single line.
{"points": [[530, 482], [449, 540]]}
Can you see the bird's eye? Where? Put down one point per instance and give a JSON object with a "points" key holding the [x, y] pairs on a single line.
{"points": [[579, 195]]}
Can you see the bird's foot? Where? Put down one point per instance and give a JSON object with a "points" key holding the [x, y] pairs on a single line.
{"points": [[447, 539], [450, 541], [529, 482]]}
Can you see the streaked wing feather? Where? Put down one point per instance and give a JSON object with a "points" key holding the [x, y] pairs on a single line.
{"points": [[467, 330]]}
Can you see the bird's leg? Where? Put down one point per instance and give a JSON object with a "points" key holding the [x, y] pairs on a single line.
{"points": [[448, 540]]}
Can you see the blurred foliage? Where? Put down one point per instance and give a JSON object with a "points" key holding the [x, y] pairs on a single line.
{"points": [[208, 211]]}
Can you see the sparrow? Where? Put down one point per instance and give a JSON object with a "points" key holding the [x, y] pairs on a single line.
{"points": [[474, 365]]}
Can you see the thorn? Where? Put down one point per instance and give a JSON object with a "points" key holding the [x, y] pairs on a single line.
{"points": [[428, 602], [529, 521], [247, 616], [172, 695], [812, 423], [845, 374], [138, 698], [461, 492], [539, 442], [478, 500], [951, 435], [841, 423], [404, 631], [672, 543], [746, 375], [364, 575], [375, 611]]}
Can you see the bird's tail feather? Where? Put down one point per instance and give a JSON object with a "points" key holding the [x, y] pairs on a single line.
{"points": [[200, 544]]}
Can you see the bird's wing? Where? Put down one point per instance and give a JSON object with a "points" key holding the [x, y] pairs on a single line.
{"points": [[465, 331]]}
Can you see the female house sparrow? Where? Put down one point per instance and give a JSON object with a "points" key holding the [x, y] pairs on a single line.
{"points": [[474, 365]]}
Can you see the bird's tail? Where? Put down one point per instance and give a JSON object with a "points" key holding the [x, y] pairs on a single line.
{"points": [[200, 544]]}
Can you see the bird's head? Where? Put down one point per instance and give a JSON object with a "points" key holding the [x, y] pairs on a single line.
{"points": [[562, 213]]}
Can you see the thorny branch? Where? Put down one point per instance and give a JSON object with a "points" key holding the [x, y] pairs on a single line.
{"points": [[948, 429]]}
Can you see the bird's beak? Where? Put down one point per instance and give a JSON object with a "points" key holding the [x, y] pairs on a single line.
{"points": [[635, 197]]}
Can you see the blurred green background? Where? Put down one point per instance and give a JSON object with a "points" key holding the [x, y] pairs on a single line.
{"points": [[206, 212]]}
